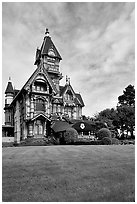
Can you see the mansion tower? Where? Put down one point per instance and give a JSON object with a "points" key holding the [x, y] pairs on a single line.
{"points": [[29, 110]]}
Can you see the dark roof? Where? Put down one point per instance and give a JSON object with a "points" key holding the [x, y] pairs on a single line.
{"points": [[90, 122], [83, 126], [75, 120], [16, 92], [62, 89], [9, 88], [77, 102], [47, 44], [60, 126], [80, 99]]}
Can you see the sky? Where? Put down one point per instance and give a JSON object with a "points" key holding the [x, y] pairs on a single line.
{"points": [[95, 40]]}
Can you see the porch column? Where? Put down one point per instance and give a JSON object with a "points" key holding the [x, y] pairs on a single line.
{"points": [[30, 129], [45, 130], [34, 129], [32, 108], [17, 124], [24, 130]]}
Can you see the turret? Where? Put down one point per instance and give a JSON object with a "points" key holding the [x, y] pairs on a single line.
{"points": [[9, 93], [49, 57]]}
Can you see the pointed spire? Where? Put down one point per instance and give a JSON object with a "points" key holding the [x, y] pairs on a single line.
{"points": [[47, 45], [9, 88]]}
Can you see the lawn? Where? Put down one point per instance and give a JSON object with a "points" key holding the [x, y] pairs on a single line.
{"points": [[69, 173]]}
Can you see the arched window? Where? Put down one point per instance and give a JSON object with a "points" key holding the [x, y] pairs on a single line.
{"points": [[69, 95], [40, 104]]}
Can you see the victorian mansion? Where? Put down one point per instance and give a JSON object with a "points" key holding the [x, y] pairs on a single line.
{"points": [[29, 110]]}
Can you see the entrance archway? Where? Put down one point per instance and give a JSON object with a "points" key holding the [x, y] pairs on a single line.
{"points": [[40, 125]]}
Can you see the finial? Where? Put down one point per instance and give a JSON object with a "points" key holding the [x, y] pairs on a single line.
{"points": [[47, 32], [69, 80], [66, 79], [9, 78]]}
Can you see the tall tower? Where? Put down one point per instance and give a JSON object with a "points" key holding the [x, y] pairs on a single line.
{"points": [[9, 94], [50, 57]]}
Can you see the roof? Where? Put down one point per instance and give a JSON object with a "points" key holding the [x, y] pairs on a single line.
{"points": [[32, 77], [9, 88], [83, 126], [62, 89], [40, 115], [75, 120], [80, 99], [48, 44], [16, 92], [60, 126]]}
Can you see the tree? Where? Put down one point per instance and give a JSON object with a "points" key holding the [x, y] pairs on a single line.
{"points": [[128, 97], [107, 117], [126, 110], [126, 119]]}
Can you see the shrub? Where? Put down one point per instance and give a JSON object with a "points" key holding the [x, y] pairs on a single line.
{"points": [[70, 136], [106, 141], [103, 132], [115, 141]]}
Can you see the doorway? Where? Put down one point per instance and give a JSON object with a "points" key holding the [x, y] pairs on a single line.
{"points": [[39, 128]]}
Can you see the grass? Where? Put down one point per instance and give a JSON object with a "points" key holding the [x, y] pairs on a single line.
{"points": [[69, 174]]}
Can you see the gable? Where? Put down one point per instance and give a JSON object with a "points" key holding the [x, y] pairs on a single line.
{"points": [[80, 100], [39, 74], [69, 92], [77, 97], [67, 89]]}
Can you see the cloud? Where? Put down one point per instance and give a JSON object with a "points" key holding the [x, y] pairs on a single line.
{"points": [[95, 40]]}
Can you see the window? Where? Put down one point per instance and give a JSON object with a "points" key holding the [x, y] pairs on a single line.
{"points": [[69, 95], [40, 105], [40, 86]]}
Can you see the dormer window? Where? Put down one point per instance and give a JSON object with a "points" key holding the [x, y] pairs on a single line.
{"points": [[69, 95], [39, 86]]}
